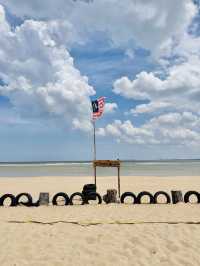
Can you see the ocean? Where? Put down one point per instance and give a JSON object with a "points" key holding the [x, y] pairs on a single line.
{"points": [[128, 168]]}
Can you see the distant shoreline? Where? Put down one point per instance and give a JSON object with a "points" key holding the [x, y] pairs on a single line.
{"points": [[81, 161]]}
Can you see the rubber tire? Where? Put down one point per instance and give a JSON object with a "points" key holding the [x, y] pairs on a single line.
{"points": [[12, 197], [128, 194], [29, 197], [189, 193], [36, 204], [89, 187], [60, 194], [164, 194], [93, 194], [76, 194], [145, 193]]}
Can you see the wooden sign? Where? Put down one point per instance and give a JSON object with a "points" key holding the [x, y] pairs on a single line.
{"points": [[106, 163]]}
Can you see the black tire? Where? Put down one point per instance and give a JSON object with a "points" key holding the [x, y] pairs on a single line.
{"points": [[93, 196], [128, 194], [29, 199], [145, 193], [189, 193], [168, 199], [35, 204], [12, 197], [89, 187], [74, 195], [60, 194], [87, 190]]}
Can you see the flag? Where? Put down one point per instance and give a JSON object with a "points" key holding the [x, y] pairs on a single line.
{"points": [[98, 107]]}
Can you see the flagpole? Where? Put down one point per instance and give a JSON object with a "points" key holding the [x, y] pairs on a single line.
{"points": [[97, 109], [94, 147]]}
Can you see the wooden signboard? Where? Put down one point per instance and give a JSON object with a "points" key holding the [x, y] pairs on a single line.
{"points": [[107, 163]]}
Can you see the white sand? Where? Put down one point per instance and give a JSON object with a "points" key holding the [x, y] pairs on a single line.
{"points": [[112, 234]]}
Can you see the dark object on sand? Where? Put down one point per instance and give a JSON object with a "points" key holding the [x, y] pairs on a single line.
{"points": [[157, 194], [111, 196], [11, 197], [130, 195], [27, 203], [177, 196], [35, 204], [88, 189], [62, 195], [189, 193], [81, 201], [93, 196], [145, 193], [44, 198]]}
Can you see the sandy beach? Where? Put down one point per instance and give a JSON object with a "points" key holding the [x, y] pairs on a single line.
{"points": [[112, 234]]}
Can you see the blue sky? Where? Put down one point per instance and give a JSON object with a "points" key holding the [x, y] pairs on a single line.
{"points": [[143, 57]]}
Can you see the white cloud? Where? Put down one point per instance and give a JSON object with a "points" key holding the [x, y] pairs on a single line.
{"points": [[41, 77], [100, 132], [39, 74], [173, 101], [151, 24], [110, 108], [172, 98], [179, 91], [151, 108], [172, 128], [39, 9], [3, 24]]}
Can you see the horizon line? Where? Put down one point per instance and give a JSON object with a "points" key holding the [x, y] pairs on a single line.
{"points": [[89, 161]]}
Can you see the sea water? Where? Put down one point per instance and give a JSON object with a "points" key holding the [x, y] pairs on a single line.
{"points": [[128, 168]]}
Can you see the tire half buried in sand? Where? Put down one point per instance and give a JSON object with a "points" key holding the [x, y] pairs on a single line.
{"points": [[11, 197], [130, 195], [145, 193], [80, 201], [190, 193], [165, 194], [62, 195], [29, 198]]}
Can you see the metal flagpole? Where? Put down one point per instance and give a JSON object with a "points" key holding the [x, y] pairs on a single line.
{"points": [[97, 109], [94, 138]]}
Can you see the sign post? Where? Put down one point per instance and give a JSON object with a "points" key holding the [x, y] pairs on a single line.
{"points": [[109, 163]]}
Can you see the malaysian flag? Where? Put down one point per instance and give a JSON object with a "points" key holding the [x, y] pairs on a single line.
{"points": [[98, 107]]}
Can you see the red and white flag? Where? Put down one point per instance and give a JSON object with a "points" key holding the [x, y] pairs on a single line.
{"points": [[98, 107]]}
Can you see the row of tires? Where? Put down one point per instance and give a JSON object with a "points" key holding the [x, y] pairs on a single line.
{"points": [[154, 198], [27, 200]]}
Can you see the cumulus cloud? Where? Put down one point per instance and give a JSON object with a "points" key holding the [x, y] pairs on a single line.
{"points": [[183, 79], [151, 24], [39, 76], [179, 91], [171, 96], [43, 79], [171, 128], [173, 102], [110, 108]]}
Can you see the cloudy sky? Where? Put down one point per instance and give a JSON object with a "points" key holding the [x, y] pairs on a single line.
{"points": [[143, 56]]}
